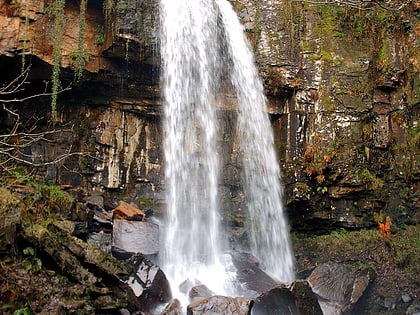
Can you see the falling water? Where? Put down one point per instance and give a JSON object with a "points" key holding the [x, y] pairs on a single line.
{"points": [[201, 42], [269, 235], [190, 56]]}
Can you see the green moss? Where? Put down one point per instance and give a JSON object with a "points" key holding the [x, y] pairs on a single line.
{"points": [[371, 181], [145, 202], [383, 56], [308, 46], [258, 18], [7, 200], [405, 250], [301, 187], [314, 57], [327, 102], [326, 56], [339, 243], [328, 30]]}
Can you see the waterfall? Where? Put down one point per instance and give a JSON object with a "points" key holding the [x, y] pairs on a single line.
{"points": [[269, 235], [190, 60], [202, 44]]}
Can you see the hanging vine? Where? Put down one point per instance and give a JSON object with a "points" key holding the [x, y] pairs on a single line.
{"points": [[57, 10], [25, 35], [81, 57]]}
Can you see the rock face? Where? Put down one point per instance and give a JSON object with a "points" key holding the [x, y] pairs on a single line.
{"points": [[136, 236], [343, 91]]}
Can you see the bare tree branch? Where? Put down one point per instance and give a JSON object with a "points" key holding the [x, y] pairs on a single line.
{"points": [[19, 137]]}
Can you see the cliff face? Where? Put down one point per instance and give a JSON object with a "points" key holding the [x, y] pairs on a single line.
{"points": [[346, 82], [343, 90]]}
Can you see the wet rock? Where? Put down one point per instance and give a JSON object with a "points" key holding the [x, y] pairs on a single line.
{"points": [[221, 305], [199, 292], [80, 212], [306, 300], [187, 284], [173, 308], [250, 275], [108, 303], [337, 287], [148, 282], [136, 236], [276, 301], [49, 243]]}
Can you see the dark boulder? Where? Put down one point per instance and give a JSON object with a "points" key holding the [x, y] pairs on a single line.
{"points": [[338, 287], [148, 282], [277, 301], [295, 299]]}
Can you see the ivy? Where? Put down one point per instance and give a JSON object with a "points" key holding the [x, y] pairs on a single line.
{"points": [[81, 56], [25, 35], [57, 10]]}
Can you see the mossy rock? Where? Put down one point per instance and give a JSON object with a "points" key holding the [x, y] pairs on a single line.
{"points": [[10, 217]]}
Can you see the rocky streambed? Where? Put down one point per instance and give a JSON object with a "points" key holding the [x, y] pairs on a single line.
{"points": [[74, 255]]}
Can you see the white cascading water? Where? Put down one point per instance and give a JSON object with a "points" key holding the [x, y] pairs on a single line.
{"points": [[190, 58], [269, 235], [200, 41]]}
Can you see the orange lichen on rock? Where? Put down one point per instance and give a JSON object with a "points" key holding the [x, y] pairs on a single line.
{"points": [[125, 211], [385, 228]]}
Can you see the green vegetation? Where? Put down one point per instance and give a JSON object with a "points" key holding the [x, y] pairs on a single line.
{"points": [[25, 34], [40, 201], [81, 57], [145, 202], [100, 35], [57, 11], [326, 31], [371, 181]]}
